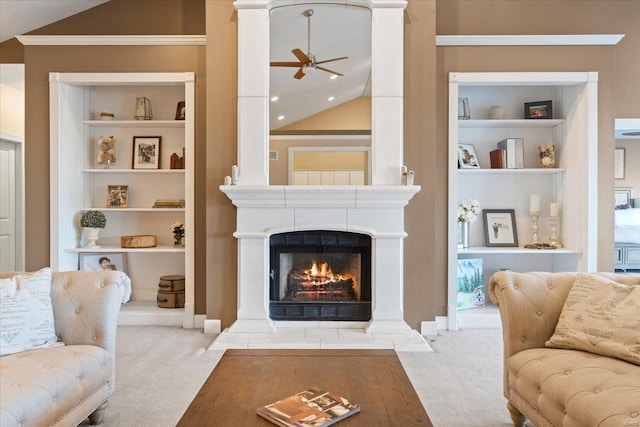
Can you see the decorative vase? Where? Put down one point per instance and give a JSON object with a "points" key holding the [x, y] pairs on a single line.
{"points": [[90, 237], [463, 235]]}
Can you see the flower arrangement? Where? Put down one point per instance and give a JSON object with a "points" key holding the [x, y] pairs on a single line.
{"points": [[177, 229], [547, 155], [468, 211], [93, 219], [106, 150]]}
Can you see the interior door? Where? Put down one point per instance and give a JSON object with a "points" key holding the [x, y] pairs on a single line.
{"points": [[8, 209]]}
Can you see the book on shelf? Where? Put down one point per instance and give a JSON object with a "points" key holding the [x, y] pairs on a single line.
{"points": [[313, 407], [515, 152], [169, 203], [498, 158]]}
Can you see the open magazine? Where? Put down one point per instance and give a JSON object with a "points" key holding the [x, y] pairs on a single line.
{"points": [[309, 408]]}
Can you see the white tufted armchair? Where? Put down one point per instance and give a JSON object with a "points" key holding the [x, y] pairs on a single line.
{"points": [[551, 386], [64, 385]]}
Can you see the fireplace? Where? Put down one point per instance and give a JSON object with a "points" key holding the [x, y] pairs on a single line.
{"points": [[320, 275]]}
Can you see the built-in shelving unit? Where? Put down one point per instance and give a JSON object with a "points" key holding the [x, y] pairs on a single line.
{"points": [[571, 182], [79, 183]]}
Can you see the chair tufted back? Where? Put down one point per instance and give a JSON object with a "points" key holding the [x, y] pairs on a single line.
{"points": [[86, 306]]}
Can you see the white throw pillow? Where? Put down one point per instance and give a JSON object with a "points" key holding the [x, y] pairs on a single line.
{"points": [[600, 316], [26, 313]]}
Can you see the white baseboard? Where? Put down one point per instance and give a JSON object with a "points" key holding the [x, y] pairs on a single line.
{"points": [[198, 321], [212, 326], [431, 328]]}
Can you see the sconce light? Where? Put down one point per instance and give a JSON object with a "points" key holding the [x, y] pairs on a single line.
{"points": [[143, 109]]}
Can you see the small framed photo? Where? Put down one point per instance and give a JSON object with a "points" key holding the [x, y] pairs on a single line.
{"points": [[467, 158], [146, 152], [618, 169], [103, 261], [180, 111], [538, 110], [500, 227], [623, 196], [117, 196]]}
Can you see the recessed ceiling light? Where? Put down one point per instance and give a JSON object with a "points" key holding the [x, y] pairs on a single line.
{"points": [[333, 77], [280, 117], [274, 98], [331, 98]]}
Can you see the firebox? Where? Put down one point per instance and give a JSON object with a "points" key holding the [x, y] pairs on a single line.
{"points": [[320, 275]]}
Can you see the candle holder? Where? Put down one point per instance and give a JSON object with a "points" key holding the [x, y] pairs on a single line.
{"points": [[554, 240], [534, 227]]}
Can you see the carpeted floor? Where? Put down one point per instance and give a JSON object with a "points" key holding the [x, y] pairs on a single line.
{"points": [[159, 370]]}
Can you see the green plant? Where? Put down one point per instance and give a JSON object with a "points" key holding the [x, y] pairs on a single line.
{"points": [[93, 219]]}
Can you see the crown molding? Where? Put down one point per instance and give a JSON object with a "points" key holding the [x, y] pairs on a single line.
{"points": [[129, 40], [530, 40]]}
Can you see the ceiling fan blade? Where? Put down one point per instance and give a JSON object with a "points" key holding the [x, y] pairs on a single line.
{"points": [[301, 56], [333, 59], [329, 71], [286, 64], [299, 74]]}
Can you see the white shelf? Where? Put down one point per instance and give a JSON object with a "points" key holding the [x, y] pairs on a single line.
{"points": [[142, 313], [520, 123], [136, 209], [135, 123], [135, 171], [117, 248], [78, 184], [533, 171], [472, 250]]}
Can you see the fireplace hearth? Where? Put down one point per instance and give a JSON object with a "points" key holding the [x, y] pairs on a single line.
{"points": [[320, 275]]}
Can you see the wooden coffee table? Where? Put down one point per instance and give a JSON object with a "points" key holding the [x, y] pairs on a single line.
{"points": [[245, 380]]}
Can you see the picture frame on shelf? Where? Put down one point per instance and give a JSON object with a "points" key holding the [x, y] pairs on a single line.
{"points": [[146, 152], [618, 169], [103, 261], [538, 110], [500, 228], [623, 196], [117, 196], [180, 110], [467, 157]]}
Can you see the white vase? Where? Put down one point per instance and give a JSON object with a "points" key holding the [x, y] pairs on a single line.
{"points": [[90, 237]]}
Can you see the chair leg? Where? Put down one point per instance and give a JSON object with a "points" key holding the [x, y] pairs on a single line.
{"points": [[516, 416], [97, 416]]}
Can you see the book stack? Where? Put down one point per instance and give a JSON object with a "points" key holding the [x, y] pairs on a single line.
{"points": [[508, 155], [312, 407], [168, 203]]}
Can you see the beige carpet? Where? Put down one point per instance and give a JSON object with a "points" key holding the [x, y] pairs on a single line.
{"points": [[159, 370]]}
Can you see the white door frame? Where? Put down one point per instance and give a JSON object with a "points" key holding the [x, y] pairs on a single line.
{"points": [[19, 183]]}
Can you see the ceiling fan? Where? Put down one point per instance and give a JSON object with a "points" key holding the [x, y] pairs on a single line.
{"points": [[307, 62]]}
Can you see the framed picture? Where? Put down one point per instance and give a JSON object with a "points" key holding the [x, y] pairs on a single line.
{"points": [[618, 168], [624, 196], [500, 227], [538, 110], [103, 261], [117, 196], [180, 111], [146, 152], [467, 158]]}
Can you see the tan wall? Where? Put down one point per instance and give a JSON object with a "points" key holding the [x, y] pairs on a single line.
{"points": [[11, 110], [631, 165], [352, 115]]}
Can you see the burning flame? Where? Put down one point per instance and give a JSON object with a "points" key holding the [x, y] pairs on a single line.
{"points": [[322, 273]]}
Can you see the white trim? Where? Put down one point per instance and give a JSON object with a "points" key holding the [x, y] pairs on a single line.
{"points": [[20, 237], [129, 40], [271, 4], [530, 40], [318, 137]]}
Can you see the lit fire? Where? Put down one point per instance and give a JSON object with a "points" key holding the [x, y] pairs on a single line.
{"points": [[322, 274]]}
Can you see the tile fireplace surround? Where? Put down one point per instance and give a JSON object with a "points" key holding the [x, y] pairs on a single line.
{"points": [[376, 210]]}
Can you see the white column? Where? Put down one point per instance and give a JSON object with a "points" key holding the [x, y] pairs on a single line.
{"points": [[387, 286], [253, 96], [387, 53], [253, 286]]}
